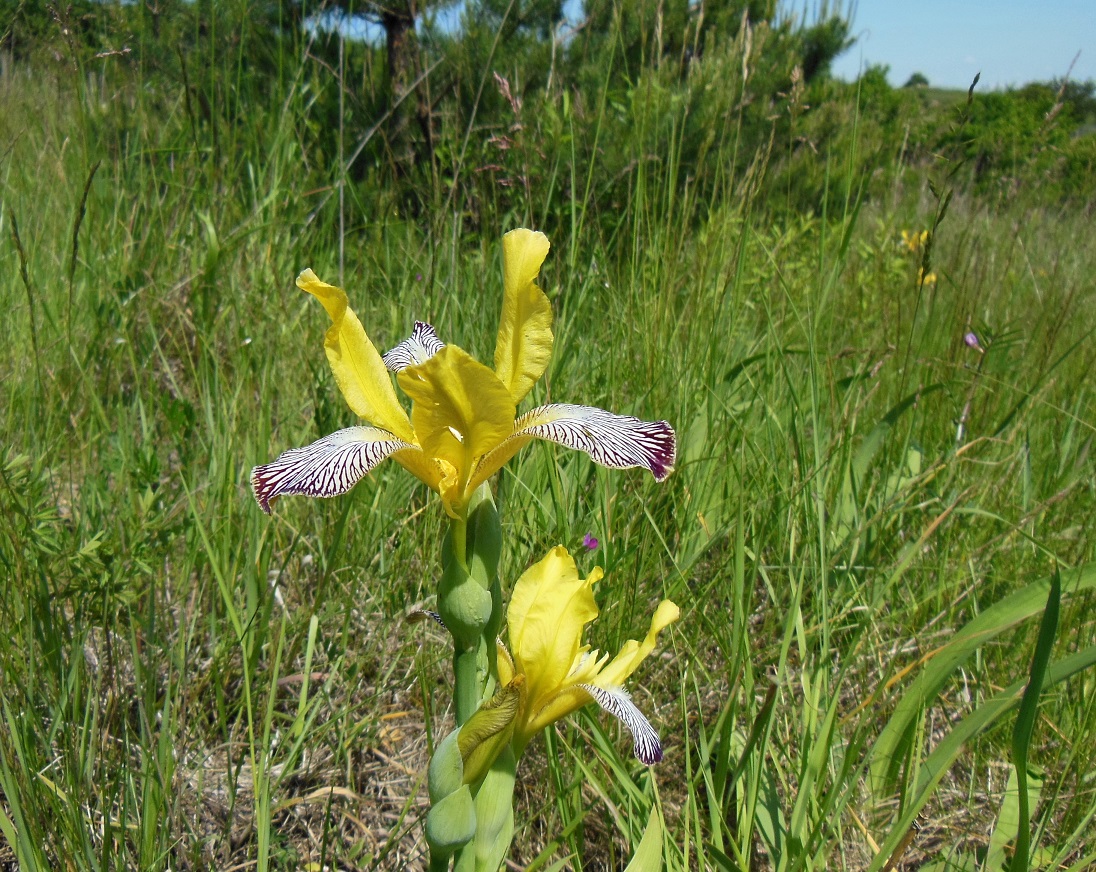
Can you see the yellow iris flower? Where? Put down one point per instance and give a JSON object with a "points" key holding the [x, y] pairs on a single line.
{"points": [[463, 425], [548, 613]]}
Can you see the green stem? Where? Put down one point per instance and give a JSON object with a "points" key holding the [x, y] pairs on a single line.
{"points": [[439, 862], [458, 539], [467, 692], [470, 599]]}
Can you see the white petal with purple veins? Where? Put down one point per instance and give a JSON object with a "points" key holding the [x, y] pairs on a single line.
{"points": [[326, 468], [616, 441], [617, 702], [419, 347]]}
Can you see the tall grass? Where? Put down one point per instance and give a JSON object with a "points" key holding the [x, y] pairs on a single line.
{"points": [[189, 684]]}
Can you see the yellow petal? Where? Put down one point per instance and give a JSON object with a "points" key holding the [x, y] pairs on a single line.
{"points": [[424, 467], [524, 344], [505, 664], [548, 610], [358, 368], [461, 409], [633, 653], [557, 707]]}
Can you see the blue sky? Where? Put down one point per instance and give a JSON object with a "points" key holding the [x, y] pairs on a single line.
{"points": [[1011, 42]]}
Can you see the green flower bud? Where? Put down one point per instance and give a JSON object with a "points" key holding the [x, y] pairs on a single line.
{"points": [[464, 604], [446, 773], [494, 818], [451, 823], [484, 537]]}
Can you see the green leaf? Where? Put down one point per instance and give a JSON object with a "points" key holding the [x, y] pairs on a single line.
{"points": [[494, 817], [1025, 720], [941, 759], [847, 510], [648, 856], [894, 741], [1008, 819]]}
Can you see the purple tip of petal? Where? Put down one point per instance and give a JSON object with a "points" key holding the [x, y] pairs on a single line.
{"points": [[262, 488], [589, 542], [972, 340], [664, 456], [649, 755]]}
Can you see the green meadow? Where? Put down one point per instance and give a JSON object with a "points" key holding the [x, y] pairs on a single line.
{"points": [[879, 529]]}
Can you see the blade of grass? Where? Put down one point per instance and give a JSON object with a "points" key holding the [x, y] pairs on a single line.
{"points": [[1025, 719]]}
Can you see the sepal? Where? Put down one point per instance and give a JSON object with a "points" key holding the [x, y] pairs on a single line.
{"points": [[490, 729]]}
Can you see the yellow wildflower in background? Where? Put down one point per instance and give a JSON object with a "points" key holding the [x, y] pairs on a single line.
{"points": [[915, 241]]}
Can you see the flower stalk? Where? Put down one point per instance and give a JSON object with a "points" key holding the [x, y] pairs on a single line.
{"points": [[470, 599]]}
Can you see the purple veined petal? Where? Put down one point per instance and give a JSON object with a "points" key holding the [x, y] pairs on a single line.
{"points": [[417, 616], [618, 703], [326, 468], [419, 347], [615, 441]]}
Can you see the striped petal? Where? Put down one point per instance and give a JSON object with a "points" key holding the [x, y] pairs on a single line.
{"points": [[419, 347], [326, 468], [615, 441], [618, 703]]}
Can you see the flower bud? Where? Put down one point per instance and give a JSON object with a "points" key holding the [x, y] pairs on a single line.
{"points": [[451, 821]]}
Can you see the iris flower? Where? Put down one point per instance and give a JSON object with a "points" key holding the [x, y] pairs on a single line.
{"points": [[463, 424], [548, 612]]}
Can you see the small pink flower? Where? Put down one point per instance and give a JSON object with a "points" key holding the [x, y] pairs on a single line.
{"points": [[589, 542]]}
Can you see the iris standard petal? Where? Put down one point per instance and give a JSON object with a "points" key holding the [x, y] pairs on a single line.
{"points": [[461, 410], [358, 368], [326, 468], [617, 671], [548, 610], [524, 344], [615, 441]]}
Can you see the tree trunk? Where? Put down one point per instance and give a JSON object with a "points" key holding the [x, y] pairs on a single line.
{"points": [[398, 20]]}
